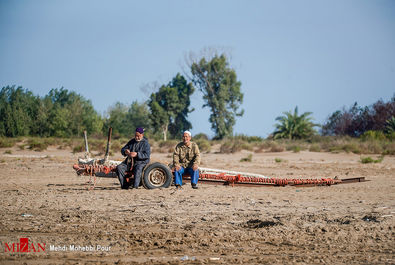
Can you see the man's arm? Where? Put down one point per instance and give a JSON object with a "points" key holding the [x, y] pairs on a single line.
{"points": [[196, 160], [145, 151], [126, 147], [176, 157]]}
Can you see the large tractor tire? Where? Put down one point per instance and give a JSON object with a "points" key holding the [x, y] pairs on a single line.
{"points": [[157, 175]]}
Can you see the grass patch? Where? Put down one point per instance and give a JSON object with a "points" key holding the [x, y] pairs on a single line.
{"points": [[200, 136], [389, 149], [78, 148], [277, 148], [246, 138], [8, 152], [167, 146], [269, 146], [278, 160], [368, 159], [7, 142], [246, 159], [315, 148], [204, 145], [37, 144], [294, 148], [22, 146]]}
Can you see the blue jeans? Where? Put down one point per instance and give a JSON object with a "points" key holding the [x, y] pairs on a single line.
{"points": [[193, 173]]}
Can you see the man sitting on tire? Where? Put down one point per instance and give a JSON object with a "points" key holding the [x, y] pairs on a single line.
{"points": [[186, 159], [138, 153]]}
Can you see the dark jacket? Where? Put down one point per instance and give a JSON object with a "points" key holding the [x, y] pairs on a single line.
{"points": [[142, 149]]}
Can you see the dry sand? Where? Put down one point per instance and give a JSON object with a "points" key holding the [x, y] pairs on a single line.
{"points": [[43, 199]]}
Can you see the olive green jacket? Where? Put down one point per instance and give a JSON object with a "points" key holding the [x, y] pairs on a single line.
{"points": [[186, 156]]}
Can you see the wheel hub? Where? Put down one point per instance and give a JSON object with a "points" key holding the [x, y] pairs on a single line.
{"points": [[157, 177]]}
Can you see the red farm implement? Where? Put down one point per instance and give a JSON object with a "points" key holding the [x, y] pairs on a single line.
{"points": [[158, 175]]}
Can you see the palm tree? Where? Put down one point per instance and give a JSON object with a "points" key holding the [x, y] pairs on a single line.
{"points": [[390, 125], [293, 126]]}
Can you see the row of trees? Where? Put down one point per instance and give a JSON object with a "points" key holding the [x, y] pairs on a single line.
{"points": [[64, 113], [59, 113], [165, 113], [357, 120], [354, 122]]}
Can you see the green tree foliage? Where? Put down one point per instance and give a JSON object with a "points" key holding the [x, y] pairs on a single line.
{"points": [[390, 125], [293, 126], [60, 113], [70, 114], [117, 120], [221, 92], [169, 107], [124, 120], [19, 109]]}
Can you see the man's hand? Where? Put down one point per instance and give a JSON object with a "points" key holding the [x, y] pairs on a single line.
{"points": [[178, 167], [195, 167], [130, 154]]}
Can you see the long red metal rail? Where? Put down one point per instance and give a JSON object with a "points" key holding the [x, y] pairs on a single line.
{"points": [[106, 168], [229, 178]]}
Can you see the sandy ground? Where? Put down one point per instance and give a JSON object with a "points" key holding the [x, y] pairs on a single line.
{"points": [[42, 199]]}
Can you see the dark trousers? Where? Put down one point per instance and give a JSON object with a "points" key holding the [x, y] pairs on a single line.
{"points": [[136, 171]]}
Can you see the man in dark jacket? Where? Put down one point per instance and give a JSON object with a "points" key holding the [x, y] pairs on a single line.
{"points": [[138, 153]]}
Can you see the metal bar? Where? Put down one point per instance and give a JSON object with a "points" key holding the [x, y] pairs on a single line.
{"points": [[108, 144], [86, 145], [352, 180], [216, 171]]}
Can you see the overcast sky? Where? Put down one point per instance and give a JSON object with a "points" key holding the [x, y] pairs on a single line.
{"points": [[315, 54]]}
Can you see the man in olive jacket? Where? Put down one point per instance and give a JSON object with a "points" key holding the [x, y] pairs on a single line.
{"points": [[186, 159], [137, 151]]}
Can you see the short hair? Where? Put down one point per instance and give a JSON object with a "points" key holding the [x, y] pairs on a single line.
{"points": [[188, 132]]}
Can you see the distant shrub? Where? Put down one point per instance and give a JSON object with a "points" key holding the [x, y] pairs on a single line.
{"points": [[200, 136], [98, 145], [116, 146], [51, 140], [261, 147], [22, 146], [373, 135], [246, 159], [78, 148], [233, 146], [7, 142], [372, 147], [204, 145], [366, 160], [294, 148], [247, 138], [246, 146], [389, 149], [278, 160], [351, 147], [229, 147], [37, 144], [277, 148], [390, 136], [8, 152], [167, 146], [315, 148]]}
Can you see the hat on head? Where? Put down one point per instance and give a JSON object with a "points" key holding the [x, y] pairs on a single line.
{"points": [[188, 132], [140, 129]]}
